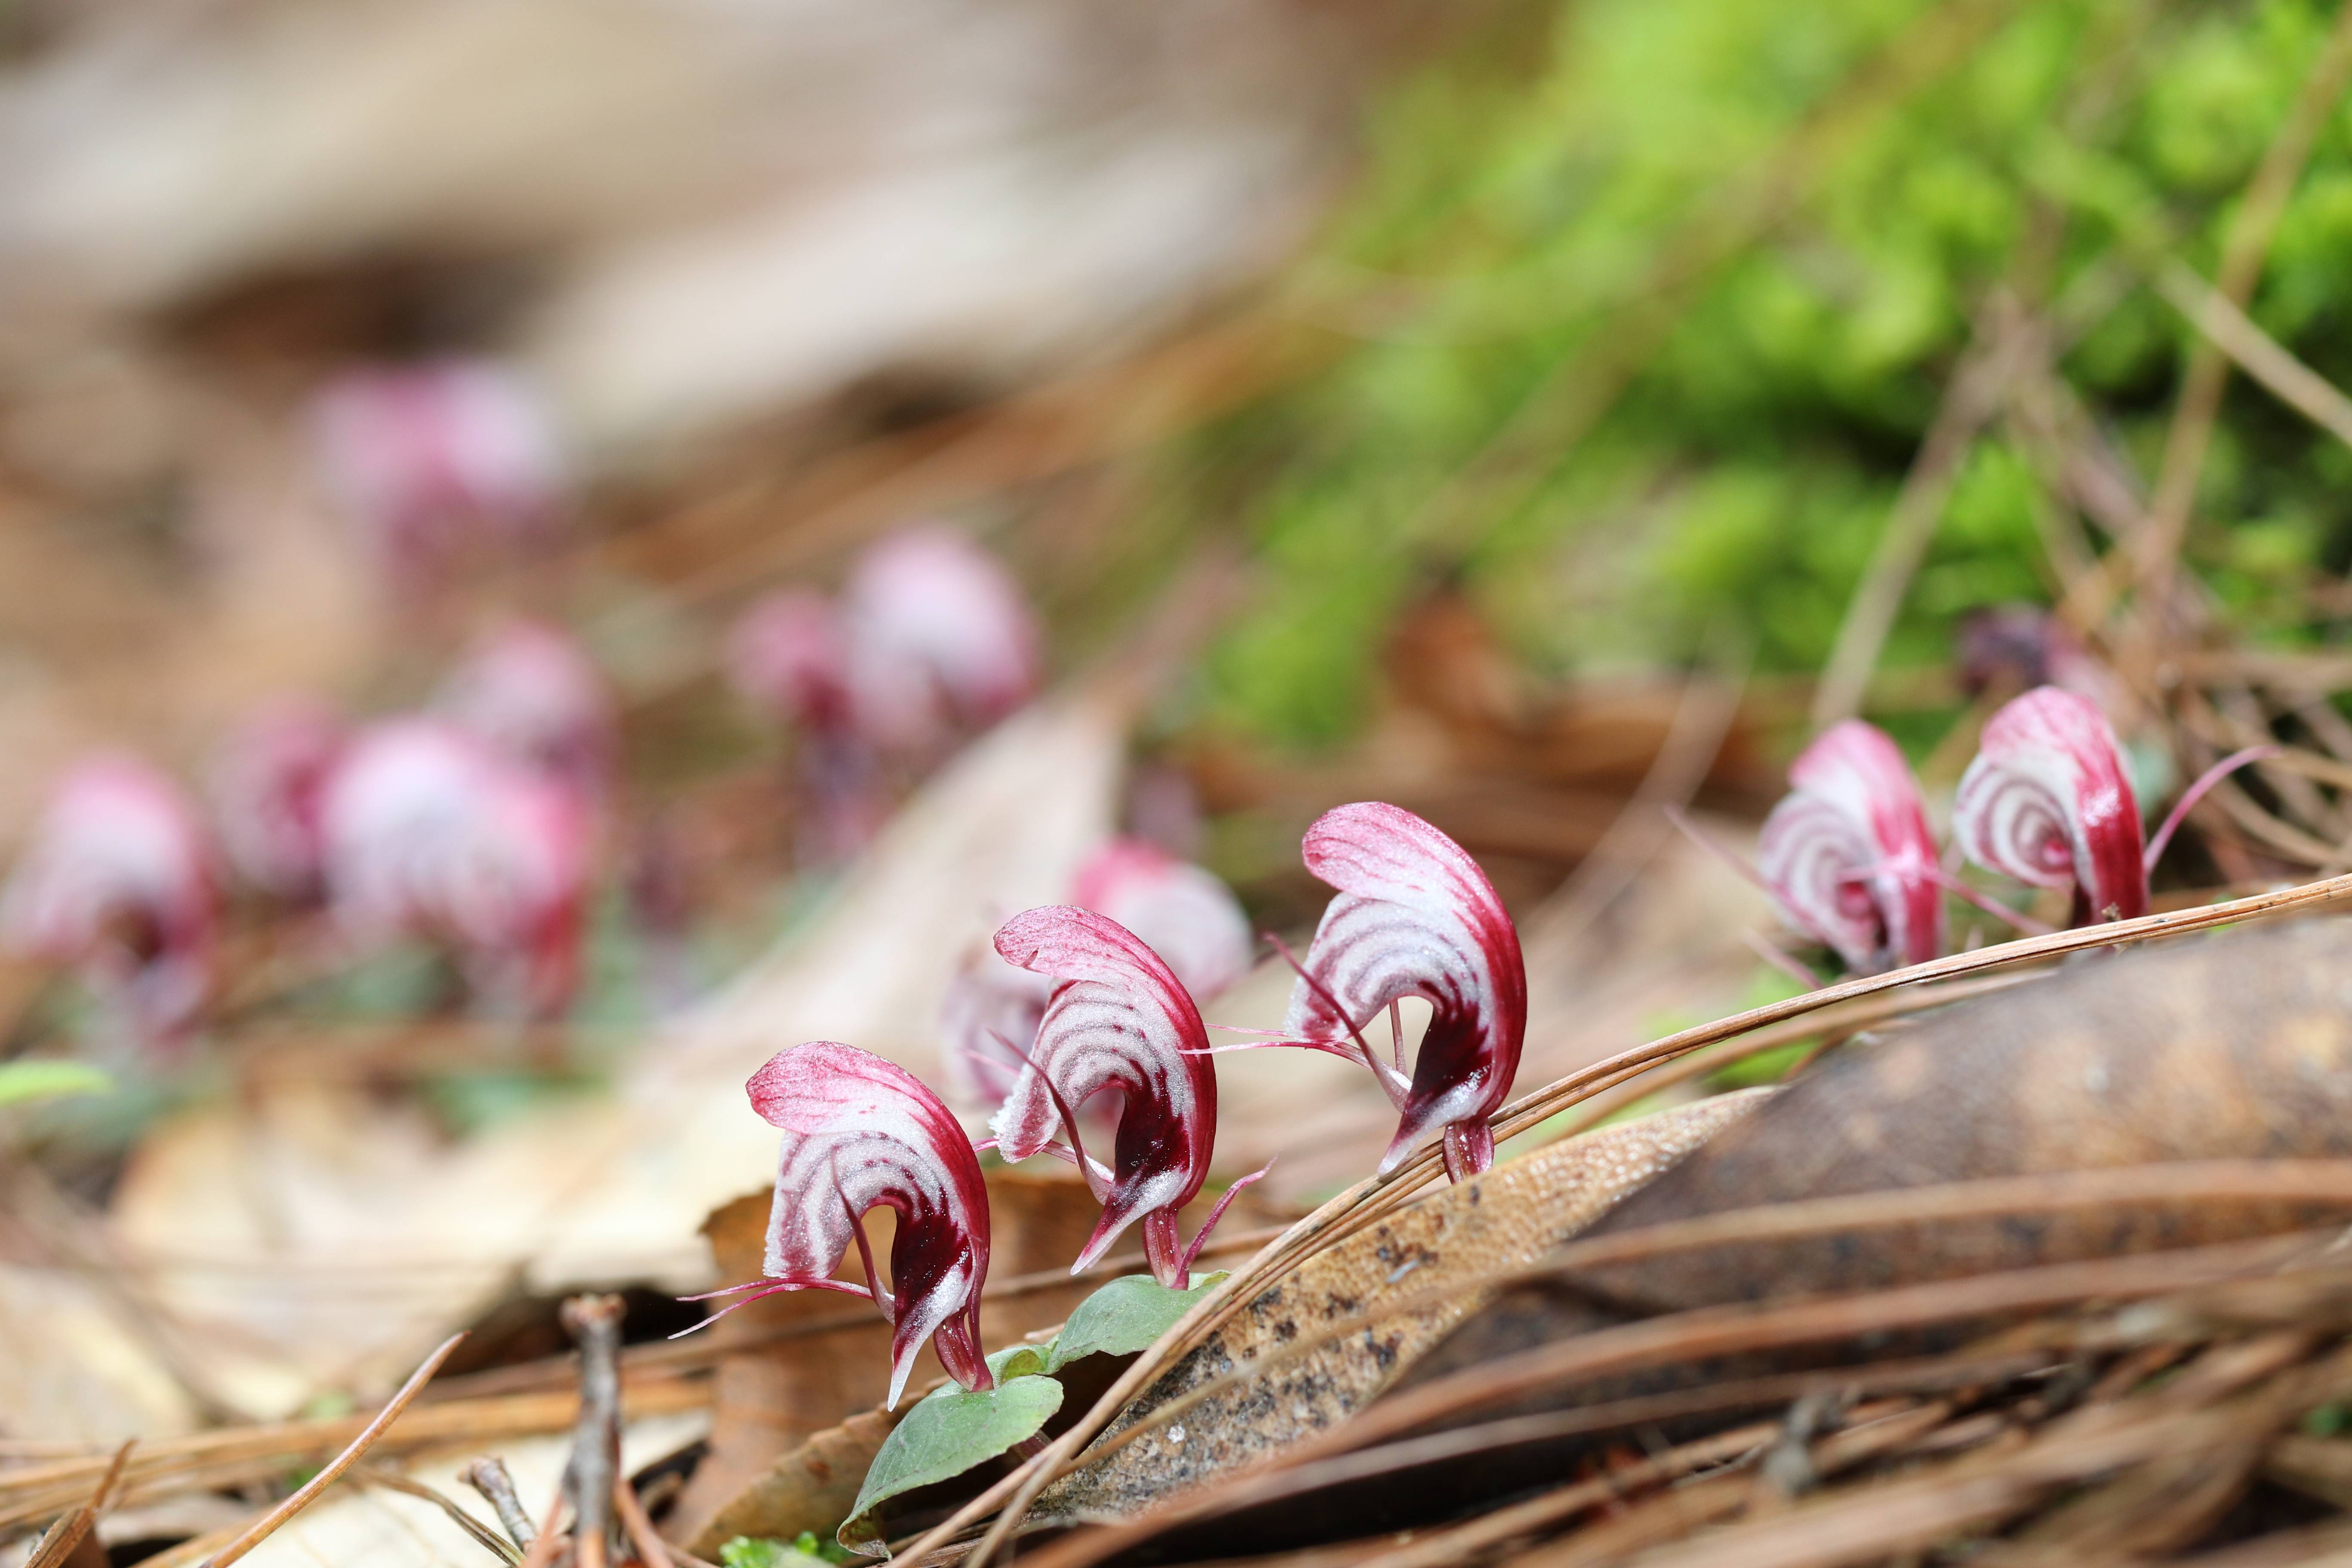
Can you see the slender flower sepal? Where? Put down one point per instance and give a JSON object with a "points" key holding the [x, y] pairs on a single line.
{"points": [[2047, 801], [1118, 1020], [1848, 856], [1415, 916], [862, 1133]]}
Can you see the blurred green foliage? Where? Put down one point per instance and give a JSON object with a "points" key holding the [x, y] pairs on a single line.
{"points": [[1522, 204]]}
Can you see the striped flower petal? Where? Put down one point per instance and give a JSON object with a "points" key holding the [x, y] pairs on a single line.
{"points": [[2048, 802], [1848, 855], [1415, 916], [1118, 1021], [862, 1133]]}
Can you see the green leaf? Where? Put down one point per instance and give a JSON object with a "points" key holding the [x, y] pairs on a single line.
{"points": [[1124, 1317], [949, 1431], [49, 1079], [752, 1551]]}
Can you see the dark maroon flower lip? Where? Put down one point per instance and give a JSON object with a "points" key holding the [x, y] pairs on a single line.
{"points": [[1118, 1020], [862, 1133], [1848, 855], [2048, 802], [1415, 916]]}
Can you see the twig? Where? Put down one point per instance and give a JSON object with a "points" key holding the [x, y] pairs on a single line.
{"points": [[1694, 739], [67, 1532], [652, 1550], [2255, 351], [488, 1476], [263, 1528], [596, 1322], [1971, 397], [483, 1535]]}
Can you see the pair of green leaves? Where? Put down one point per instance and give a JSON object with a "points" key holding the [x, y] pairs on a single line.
{"points": [[953, 1428]]}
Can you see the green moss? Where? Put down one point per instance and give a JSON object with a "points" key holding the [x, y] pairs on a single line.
{"points": [[1524, 203]]}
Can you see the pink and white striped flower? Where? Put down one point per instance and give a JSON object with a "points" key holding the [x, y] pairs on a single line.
{"points": [[861, 1132], [1415, 916], [2049, 802], [430, 832], [532, 693], [268, 781], [434, 462], [940, 641], [1184, 913], [1848, 856], [1118, 1020], [1181, 911], [789, 657], [117, 880]]}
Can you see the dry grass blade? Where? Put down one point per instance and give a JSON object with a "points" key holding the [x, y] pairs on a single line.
{"points": [[1712, 1330], [238, 1456], [67, 1532], [1903, 1515], [483, 1536], [651, 1549], [2255, 351], [262, 1527]]}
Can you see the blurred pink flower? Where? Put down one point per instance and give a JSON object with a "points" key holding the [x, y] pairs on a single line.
{"points": [[1848, 856], [431, 833], [988, 1020], [116, 880], [1181, 911], [1415, 916], [532, 693], [1117, 1020], [787, 656], [1184, 913], [2049, 802], [266, 782], [433, 461], [941, 642], [862, 1133]]}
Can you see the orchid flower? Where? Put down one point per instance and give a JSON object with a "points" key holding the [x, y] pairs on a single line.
{"points": [[940, 641], [433, 461], [1117, 1020], [532, 693], [267, 781], [1184, 913], [1847, 854], [861, 1132], [2048, 801], [1415, 916], [117, 880], [787, 656], [988, 1020], [1181, 911], [428, 832]]}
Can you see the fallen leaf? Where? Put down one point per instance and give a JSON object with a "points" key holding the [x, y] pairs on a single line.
{"points": [[75, 1368], [810, 1489], [1442, 1246]]}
